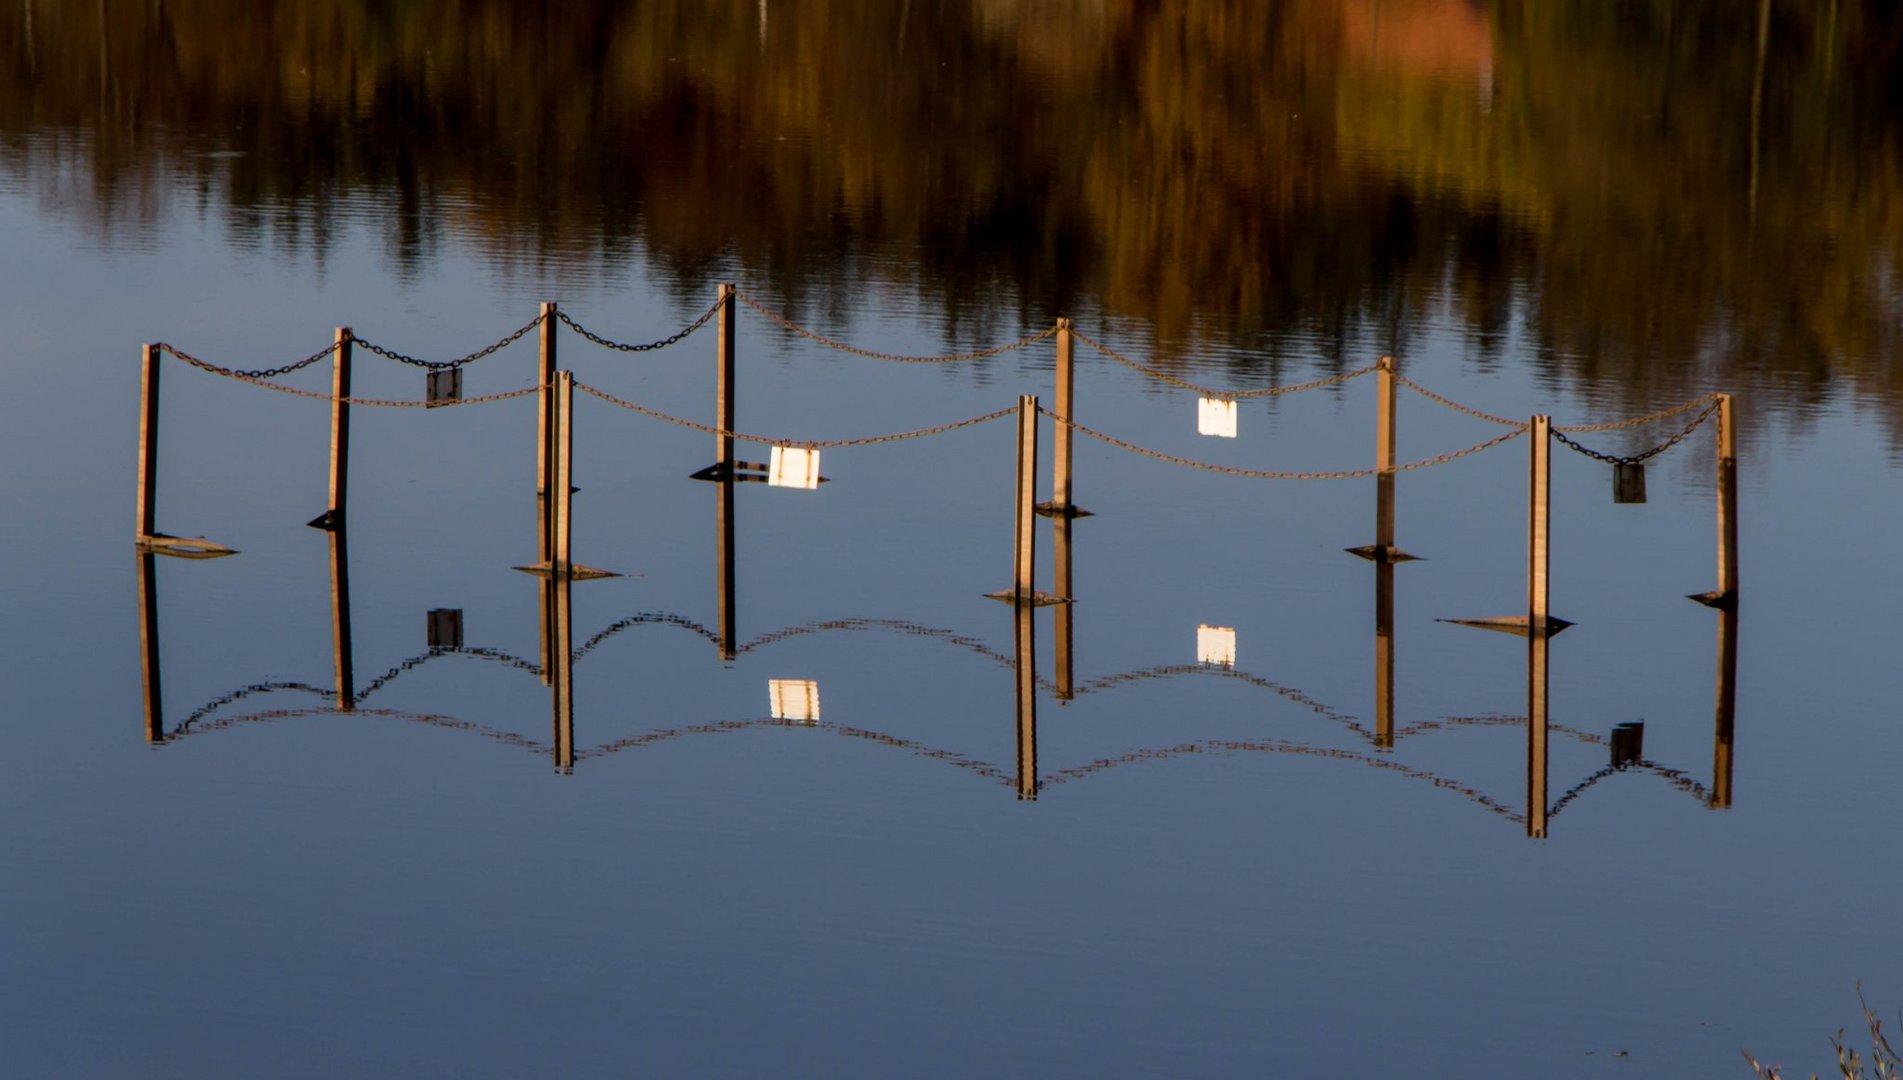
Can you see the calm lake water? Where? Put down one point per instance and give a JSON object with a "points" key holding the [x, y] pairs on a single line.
{"points": [[800, 819]]}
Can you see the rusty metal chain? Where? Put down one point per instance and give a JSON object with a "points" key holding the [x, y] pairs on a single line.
{"points": [[255, 373], [1455, 405], [1635, 459], [621, 346], [1273, 474], [804, 444], [437, 365], [831, 343], [1206, 391], [1639, 421], [318, 395]]}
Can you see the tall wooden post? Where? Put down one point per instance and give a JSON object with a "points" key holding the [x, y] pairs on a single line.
{"points": [[339, 431], [562, 686], [545, 399], [724, 563], [341, 653], [1026, 669], [1727, 502], [1536, 700], [1063, 615], [1061, 503], [724, 383], [1727, 708], [148, 440], [563, 477], [1383, 653], [1384, 458], [1024, 576], [1539, 585], [147, 574]]}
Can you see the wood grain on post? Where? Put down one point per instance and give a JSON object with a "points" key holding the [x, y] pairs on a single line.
{"points": [[1066, 408], [1024, 576], [723, 381], [148, 440], [1539, 585], [564, 478], [339, 428], [545, 411]]}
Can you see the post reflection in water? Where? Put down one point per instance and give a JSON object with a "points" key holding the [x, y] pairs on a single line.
{"points": [[724, 562], [1025, 665], [1537, 644], [561, 682], [341, 653], [1063, 613], [1727, 707], [147, 574]]}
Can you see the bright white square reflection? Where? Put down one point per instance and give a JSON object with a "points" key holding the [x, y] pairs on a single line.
{"points": [[1216, 645], [794, 699], [1216, 416], [794, 467]]}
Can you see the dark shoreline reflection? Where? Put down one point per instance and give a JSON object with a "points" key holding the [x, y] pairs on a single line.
{"points": [[560, 655], [1635, 180]]}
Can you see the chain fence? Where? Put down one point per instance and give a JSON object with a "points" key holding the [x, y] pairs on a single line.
{"points": [[804, 444], [622, 346], [898, 358], [506, 340], [1455, 405], [1232, 395], [1645, 455], [253, 373], [318, 395], [1275, 474]]}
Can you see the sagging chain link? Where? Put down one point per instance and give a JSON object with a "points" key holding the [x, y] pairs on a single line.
{"points": [[1455, 405], [621, 346], [1232, 395], [437, 365], [1273, 474], [803, 444], [318, 395], [254, 373], [1640, 421], [1639, 458], [831, 343]]}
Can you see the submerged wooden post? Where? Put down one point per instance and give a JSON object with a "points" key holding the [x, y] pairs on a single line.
{"points": [[1061, 585], [1026, 669], [562, 685], [1060, 435], [1727, 502], [561, 562], [1537, 645], [1539, 585], [1727, 708], [339, 431], [147, 574], [545, 400], [341, 653], [724, 383], [1024, 576], [1383, 653], [147, 499], [724, 563], [1384, 458]]}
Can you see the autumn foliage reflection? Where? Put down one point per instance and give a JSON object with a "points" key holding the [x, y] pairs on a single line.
{"points": [[1667, 195]]}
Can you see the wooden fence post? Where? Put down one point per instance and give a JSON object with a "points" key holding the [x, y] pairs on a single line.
{"points": [[148, 441], [1539, 585], [562, 563], [1024, 577], [724, 383], [1066, 408], [545, 400], [1384, 458], [333, 517], [1727, 501]]}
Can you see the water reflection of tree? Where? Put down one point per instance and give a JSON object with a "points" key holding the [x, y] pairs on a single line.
{"points": [[1318, 170]]}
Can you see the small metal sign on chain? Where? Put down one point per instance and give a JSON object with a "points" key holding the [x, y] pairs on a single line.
{"points": [[1216, 645], [794, 699], [446, 628], [1628, 743], [1628, 481], [1216, 417], [445, 387], [793, 467]]}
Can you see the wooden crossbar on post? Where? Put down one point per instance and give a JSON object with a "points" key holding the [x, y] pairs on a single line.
{"points": [[148, 441], [724, 382], [1024, 575], [1539, 584], [339, 430]]}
